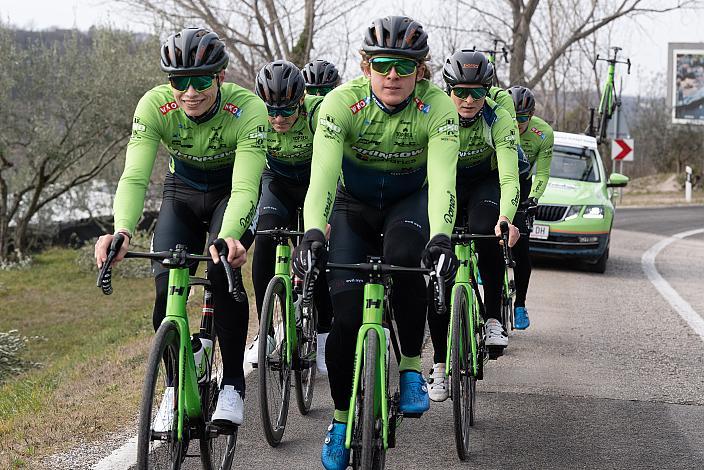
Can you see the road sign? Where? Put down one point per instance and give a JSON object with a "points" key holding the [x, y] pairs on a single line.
{"points": [[622, 150]]}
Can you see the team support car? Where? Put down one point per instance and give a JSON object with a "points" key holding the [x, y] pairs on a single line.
{"points": [[575, 213]]}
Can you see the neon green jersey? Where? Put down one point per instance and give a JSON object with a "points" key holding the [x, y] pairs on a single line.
{"points": [[384, 155], [537, 142], [227, 149], [488, 144], [289, 153]]}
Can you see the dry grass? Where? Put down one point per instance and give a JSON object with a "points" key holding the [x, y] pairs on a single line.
{"points": [[93, 352]]}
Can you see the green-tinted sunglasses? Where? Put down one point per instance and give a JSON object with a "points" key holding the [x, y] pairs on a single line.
{"points": [[318, 90], [283, 112], [383, 65], [522, 118], [476, 93], [199, 82]]}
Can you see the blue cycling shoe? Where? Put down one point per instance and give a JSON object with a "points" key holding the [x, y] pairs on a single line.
{"points": [[520, 318], [414, 399], [334, 455]]}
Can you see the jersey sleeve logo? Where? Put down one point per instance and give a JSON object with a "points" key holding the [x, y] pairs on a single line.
{"points": [[422, 107], [166, 108], [232, 109], [538, 132], [359, 105]]}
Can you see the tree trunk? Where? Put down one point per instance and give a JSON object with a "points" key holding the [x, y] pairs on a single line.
{"points": [[300, 54]]}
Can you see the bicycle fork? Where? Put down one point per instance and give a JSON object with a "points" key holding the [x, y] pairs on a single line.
{"points": [[464, 256], [373, 312]]}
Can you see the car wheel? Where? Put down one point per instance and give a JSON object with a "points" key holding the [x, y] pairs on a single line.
{"points": [[600, 265]]}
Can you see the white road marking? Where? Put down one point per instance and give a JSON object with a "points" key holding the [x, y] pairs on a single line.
{"points": [[126, 455], [683, 309]]}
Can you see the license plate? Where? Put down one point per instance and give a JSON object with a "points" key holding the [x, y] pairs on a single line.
{"points": [[540, 231]]}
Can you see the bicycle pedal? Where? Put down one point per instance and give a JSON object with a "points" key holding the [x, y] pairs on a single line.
{"points": [[304, 364], [255, 365], [412, 415], [215, 429], [495, 352]]}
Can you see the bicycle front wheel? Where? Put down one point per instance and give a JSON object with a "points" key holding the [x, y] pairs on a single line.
{"points": [[158, 446], [462, 381], [274, 366], [304, 374], [217, 450]]}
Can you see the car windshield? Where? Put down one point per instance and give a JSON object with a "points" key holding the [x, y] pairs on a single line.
{"points": [[574, 163]]}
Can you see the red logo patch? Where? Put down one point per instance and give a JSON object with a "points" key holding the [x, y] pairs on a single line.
{"points": [[168, 107], [232, 109], [537, 131], [358, 106]]}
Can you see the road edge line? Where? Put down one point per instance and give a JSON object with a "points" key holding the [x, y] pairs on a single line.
{"points": [[681, 306]]}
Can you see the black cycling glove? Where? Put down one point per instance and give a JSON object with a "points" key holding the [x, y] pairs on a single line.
{"points": [[311, 251], [439, 254]]}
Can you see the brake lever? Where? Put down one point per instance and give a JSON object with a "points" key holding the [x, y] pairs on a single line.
{"points": [[234, 276], [104, 280]]}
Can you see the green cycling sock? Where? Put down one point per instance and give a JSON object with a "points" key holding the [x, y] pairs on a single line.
{"points": [[409, 363], [340, 416]]}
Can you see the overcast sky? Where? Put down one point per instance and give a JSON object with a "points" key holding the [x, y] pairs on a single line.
{"points": [[645, 44]]}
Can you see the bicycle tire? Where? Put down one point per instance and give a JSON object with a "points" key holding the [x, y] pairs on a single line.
{"points": [[168, 453], [217, 451], [274, 368], [461, 377], [369, 452], [306, 348]]}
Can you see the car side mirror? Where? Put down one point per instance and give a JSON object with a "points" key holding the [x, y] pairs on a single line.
{"points": [[617, 180]]}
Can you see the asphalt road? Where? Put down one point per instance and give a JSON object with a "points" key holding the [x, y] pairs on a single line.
{"points": [[608, 376]]}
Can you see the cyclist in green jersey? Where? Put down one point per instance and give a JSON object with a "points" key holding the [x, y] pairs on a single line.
{"points": [[321, 77], [292, 121], [390, 137], [536, 141], [487, 192], [214, 133]]}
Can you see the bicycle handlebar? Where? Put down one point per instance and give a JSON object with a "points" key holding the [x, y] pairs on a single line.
{"points": [[280, 232], [177, 258]]}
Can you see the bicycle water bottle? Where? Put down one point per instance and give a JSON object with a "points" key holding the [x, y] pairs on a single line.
{"points": [[202, 352]]}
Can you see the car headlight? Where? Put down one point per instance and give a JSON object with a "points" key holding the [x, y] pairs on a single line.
{"points": [[593, 212], [573, 212]]}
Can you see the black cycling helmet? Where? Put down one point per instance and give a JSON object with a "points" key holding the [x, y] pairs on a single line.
{"points": [[193, 51], [523, 99], [467, 67], [321, 73], [280, 84], [396, 35]]}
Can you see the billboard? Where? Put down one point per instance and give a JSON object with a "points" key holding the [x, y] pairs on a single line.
{"points": [[686, 82]]}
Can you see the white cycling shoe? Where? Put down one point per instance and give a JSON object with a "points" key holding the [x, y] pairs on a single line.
{"points": [[495, 333], [320, 354], [230, 408], [163, 422], [251, 353], [437, 383]]}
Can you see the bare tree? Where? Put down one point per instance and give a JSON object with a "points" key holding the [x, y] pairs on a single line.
{"points": [[256, 31], [68, 106]]}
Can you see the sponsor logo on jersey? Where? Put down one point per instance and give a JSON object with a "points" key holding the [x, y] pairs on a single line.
{"points": [[422, 107], [449, 216], [165, 108], [232, 109], [138, 126], [386, 155], [329, 125], [359, 105], [538, 132], [449, 128], [473, 152]]}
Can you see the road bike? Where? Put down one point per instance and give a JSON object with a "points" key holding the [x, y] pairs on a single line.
{"points": [[287, 342], [609, 99], [164, 443], [466, 350], [492, 54], [374, 413]]}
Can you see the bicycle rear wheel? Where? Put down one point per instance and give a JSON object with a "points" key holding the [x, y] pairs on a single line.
{"points": [[273, 365], [304, 374], [158, 446], [462, 381], [217, 450], [368, 448]]}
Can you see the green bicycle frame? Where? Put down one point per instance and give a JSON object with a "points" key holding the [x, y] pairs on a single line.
{"points": [[467, 263], [188, 397], [282, 269], [373, 312], [606, 102]]}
